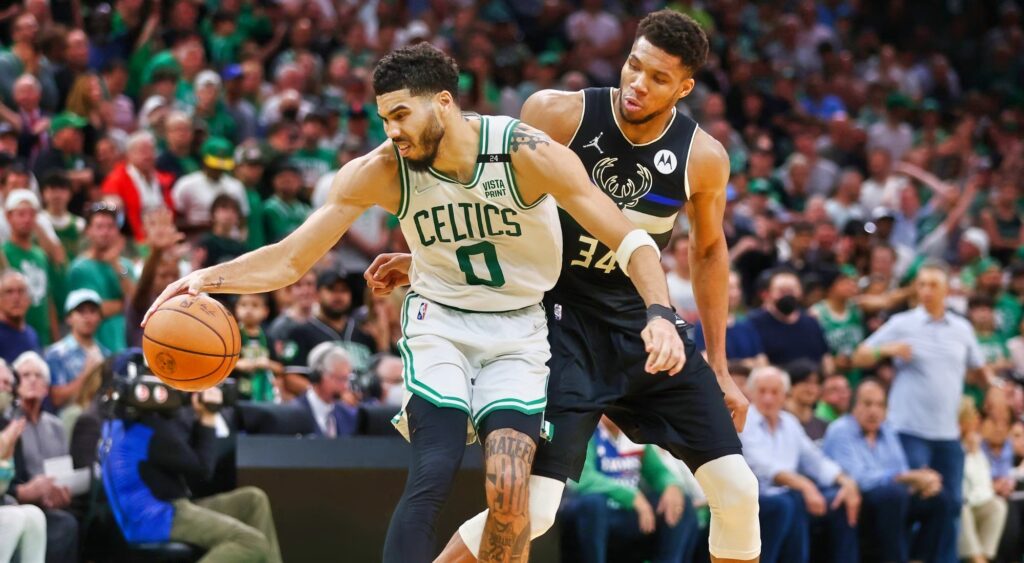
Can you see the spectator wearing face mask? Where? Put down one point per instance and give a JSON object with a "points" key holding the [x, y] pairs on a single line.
{"points": [[788, 332]]}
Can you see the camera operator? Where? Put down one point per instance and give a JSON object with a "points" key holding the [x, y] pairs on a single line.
{"points": [[144, 472]]}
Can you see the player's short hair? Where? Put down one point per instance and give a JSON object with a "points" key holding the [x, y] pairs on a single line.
{"points": [[422, 68], [676, 34]]}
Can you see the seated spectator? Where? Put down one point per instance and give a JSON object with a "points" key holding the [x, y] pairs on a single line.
{"points": [[982, 314], [136, 186], [984, 512], [330, 373], [626, 494], [42, 439], [7, 385], [73, 357], [193, 194], [387, 371], [835, 398], [70, 228], [296, 303], [16, 336], [800, 486], [22, 526], [805, 378], [895, 497], [334, 321], [25, 256], [788, 332], [144, 478], [283, 212], [223, 242], [256, 370], [996, 422], [742, 341], [103, 269]]}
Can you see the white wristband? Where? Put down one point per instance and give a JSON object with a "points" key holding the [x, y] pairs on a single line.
{"points": [[633, 240]]}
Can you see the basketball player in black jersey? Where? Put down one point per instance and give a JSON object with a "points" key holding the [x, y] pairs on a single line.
{"points": [[653, 161]]}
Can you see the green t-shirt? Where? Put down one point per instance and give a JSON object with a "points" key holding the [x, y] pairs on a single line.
{"points": [[257, 235], [825, 412], [70, 235], [281, 218], [101, 278], [1008, 315], [32, 263], [842, 334], [257, 386], [313, 163]]}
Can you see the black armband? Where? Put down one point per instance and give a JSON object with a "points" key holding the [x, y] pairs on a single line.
{"points": [[657, 311]]}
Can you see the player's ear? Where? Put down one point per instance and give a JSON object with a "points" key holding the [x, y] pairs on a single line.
{"points": [[685, 88], [444, 100]]}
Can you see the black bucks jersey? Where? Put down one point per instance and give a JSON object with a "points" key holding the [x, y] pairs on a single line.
{"points": [[648, 182]]}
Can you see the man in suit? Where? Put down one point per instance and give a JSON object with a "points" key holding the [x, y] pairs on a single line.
{"points": [[330, 370]]}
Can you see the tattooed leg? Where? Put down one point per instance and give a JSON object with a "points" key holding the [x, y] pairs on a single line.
{"points": [[508, 458]]}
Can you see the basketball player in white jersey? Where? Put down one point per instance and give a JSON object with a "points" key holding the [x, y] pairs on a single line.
{"points": [[471, 195]]}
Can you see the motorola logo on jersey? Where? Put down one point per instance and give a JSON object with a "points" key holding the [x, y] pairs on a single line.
{"points": [[626, 187], [665, 161]]}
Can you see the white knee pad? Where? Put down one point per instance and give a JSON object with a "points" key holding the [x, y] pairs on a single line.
{"points": [[731, 490], [545, 497]]}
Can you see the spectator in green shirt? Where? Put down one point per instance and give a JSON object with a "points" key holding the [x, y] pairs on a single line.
{"points": [[283, 211], [835, 398], [70, 228], [249, 172], [102, 269], [25, 256], [620, 486], [312, 159]]}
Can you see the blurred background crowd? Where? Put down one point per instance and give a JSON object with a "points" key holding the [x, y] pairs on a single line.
{"points": [[868, 142]]}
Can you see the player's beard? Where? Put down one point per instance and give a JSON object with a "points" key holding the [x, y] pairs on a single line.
{"points": [[429, 141], [638, 120]]}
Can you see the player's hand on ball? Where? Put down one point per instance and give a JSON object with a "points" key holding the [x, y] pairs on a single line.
{"points": [[664, 348], [191, 284], [388, 271]]}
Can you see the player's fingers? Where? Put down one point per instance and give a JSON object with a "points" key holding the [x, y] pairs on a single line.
{"points": [[739, 420], [657, 354], [645, 334], [371, 270], [167, 293], [678, 357]]}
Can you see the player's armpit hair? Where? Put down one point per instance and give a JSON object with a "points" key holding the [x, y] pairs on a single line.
{"points": [[525, 136], [508, 459]]}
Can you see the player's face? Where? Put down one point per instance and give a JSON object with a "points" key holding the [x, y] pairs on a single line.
{"points": [[651, 83], [413, 123]]}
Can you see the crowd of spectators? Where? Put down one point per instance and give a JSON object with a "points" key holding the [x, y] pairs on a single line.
{"points": [[868, 141]]}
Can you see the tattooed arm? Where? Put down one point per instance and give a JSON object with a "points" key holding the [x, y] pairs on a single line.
{"points": [[508, 457], [357, 186], [541, 164]]}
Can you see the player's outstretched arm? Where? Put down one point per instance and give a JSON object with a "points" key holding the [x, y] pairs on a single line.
{"points": [[540, 163], [708, 171], [356, 187]]}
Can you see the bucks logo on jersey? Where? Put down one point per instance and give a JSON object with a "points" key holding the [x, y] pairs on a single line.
{"points": [[625, 186]]}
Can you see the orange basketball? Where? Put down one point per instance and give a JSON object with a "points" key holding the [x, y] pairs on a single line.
{"points": [[191, 343]]}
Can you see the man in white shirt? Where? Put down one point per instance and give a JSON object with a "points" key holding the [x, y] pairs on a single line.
{"points": [[194, 194]]}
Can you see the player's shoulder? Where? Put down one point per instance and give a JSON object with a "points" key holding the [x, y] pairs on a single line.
{"points": [[708, 163], [556, 112], [362, 178]]}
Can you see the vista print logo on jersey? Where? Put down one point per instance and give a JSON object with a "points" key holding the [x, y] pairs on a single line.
{"points": [[626, 193], [665, 161]]}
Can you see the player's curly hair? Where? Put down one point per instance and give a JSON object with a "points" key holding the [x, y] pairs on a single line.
{"points": [[422, 68], [676, 34]]}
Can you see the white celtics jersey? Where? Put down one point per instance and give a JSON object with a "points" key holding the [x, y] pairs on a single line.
{"points": [[478, 246]]}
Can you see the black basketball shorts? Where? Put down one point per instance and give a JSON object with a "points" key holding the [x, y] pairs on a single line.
{"points": [[598, 368]]}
